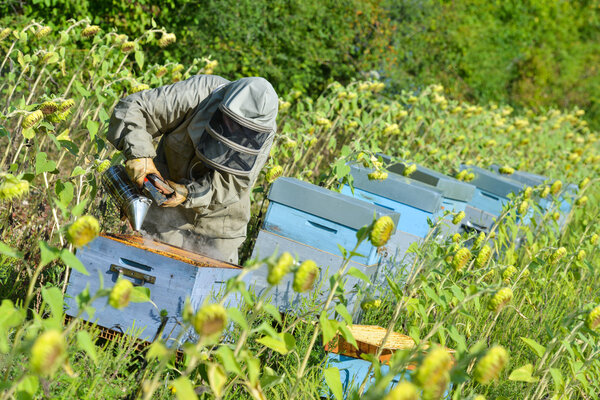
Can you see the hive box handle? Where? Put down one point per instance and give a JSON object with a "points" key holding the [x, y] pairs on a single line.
{"points": [[133, 274]]}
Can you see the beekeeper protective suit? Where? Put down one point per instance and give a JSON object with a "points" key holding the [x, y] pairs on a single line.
{"points": [[215, 137]]}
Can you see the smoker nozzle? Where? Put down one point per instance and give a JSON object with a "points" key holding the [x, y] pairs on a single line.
{"points": [[127, 196]]}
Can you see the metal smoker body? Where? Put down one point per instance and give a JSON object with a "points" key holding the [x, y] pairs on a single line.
{"points": [[128, 197]]}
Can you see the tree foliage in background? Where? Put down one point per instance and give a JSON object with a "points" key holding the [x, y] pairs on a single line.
{"points": [[533, 53]]}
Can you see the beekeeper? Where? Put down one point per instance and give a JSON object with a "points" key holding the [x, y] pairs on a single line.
{"points": [[215, 137]]}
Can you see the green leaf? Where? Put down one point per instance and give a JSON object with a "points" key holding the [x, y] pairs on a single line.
{"points": [[92, 127], [270, 378], [355, 272], [558, 379], [78, 209], [184, 389], [329, 328], [272, 311], [47, 253], [72, 261], [216, 378], [9, 251], [228, 360], [140, 294], [84, 342], [523, 374], [139, 59], [28, 133], [77, 171], [283, 344], [82, 91], [42, 164], [347, 335], [332, 377], [236, 316], [28, 387], [54, 298], [343, 311], [461, 342], [537, 348]]}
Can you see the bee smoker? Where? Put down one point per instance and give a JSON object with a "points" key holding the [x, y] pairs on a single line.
{"points": [[127, 196]]}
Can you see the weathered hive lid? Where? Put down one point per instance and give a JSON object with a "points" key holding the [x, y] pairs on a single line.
{"points": [[451, 188], [399, 188], [528, 178], [492, 182], [333, 206]]}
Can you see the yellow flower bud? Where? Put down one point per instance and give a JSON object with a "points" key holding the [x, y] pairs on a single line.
{"points": [[523, 207], [210, 320], [500, 299], [278, 270], [66, 105], [456, 237], [382, 230], [433, 373], [42, 31], [48, 353], [545, 192], [126, 47], [489, 367], [120, 295], [557, 255], [528, 192], [139, 88], [581, 255], [593, 319], [274, 173], [161, 71], [306, 276], [584, 182], [582, 201], [508, 273], [32, 119], [83, 230], [370, 304], [377, 175], [403, 391], [102, 166], [458, 217], [12, 187], [323, 122], [470, 176], [479, 240], [48, 107], [4, 33], [461, 258], [167, 39], [555, 188], [408, 171], [506, 170], [462, 175], [90, 31], [594, 239]]}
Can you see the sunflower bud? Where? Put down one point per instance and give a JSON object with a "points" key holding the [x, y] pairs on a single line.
{"points": [[176, 77], [593, 319], [120, 295], [594, 239], [126, 47], [433, 373], [403, 391], [582, 201], [48, 353], [528, 192], [278, 270], [90, 31], [210, 320], [500, 299], [12, 187], [177, 68], [323, 122], [545, 192], [83, 230], [555, 188], [490, 366], [377, 175], [506, 170], [48, 107], [458, 217], [508, 273], [581, 255], [4, 33], [167, 39], [456, 237], [66, 105], [461, 258], [557, 255], [484, 255], [139, 88], [381, 231], [408, 171], [462, 175], [523, 207], [161, 71], [479, 240], [42, 31], [370, 304], [32, 119], [470, 176], [274, 173], [305, 277]]}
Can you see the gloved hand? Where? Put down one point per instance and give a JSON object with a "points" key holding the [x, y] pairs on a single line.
{"points": [[178, 197], [138, 168]]}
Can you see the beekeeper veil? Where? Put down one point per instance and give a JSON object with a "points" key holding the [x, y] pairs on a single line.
{"points": [[240, 131]]}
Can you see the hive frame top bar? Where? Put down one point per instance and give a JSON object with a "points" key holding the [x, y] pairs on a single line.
{"points": [[492, 182], [327, 204], [451, 188], [399, 188]]}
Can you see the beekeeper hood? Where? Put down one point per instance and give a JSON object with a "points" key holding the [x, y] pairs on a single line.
{"points": [[239, 133]]}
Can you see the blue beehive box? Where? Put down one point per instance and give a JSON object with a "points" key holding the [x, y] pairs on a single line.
{"points": [[171, 274], [415, 201], [492, 189], [354, 369]]}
